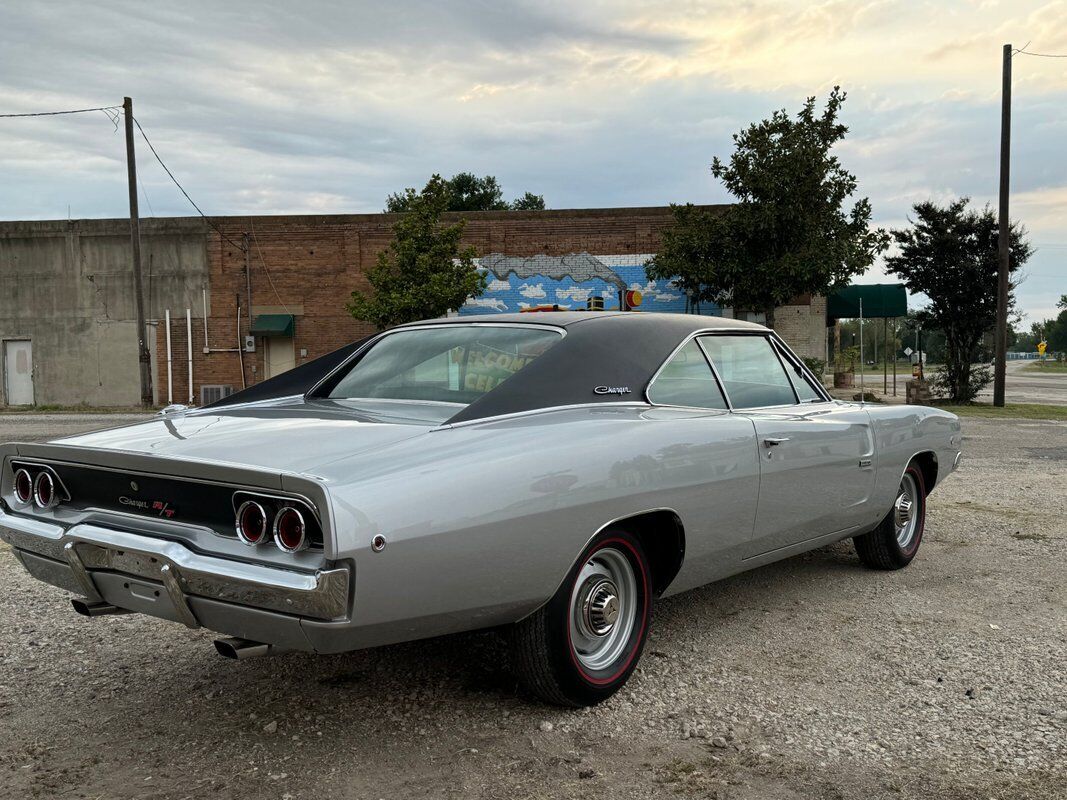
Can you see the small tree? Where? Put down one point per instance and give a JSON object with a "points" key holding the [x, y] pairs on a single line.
{"points": [[950, 255], [468, 192], [424, 273], [789, 231]]}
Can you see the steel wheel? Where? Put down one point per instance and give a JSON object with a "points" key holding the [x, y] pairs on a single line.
{"points": [[603, 609], [905, 516], [582, 645], [894, 543]]}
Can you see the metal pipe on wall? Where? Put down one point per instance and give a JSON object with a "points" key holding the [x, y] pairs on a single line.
{"points": [[170, 368], [189, 341], [240, 348], [206, 345]]}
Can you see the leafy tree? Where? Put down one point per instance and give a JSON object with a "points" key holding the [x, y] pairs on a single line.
{"points": [[950, 255], [424, 273], [529, 202], [789, 231], [467, 192]]}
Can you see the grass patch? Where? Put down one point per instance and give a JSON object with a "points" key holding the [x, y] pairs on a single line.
{"points": [[81, 409], [1009, 411], [1047, 367]]}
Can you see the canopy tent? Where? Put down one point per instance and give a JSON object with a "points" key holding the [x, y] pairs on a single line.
{"points": [[880, 300]]}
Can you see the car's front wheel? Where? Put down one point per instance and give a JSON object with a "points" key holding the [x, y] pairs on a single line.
{"points": [[582, 646], [894, 543]]}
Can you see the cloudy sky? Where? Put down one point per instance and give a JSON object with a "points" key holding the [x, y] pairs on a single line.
{"points": [[325, 107]]}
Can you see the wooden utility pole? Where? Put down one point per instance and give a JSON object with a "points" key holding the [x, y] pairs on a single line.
{"points": [[1001, 338], [144, 359]]}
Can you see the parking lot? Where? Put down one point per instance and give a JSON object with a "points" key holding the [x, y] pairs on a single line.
{"points": [[810, 678]]}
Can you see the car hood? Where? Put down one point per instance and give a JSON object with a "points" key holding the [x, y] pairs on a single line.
{"points": [[292, 436]]}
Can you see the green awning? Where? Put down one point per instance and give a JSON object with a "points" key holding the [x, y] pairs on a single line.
{"points": [[879, 300], [273, 325]]}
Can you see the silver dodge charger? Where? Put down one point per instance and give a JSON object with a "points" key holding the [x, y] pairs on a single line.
{"points": [[548, 474]]}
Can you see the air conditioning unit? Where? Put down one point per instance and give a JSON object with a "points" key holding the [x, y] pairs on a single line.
{"points": [[214, 393]]}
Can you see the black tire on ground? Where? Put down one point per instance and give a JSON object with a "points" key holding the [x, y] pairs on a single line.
{"points": [[543, 656], [880, 549]]}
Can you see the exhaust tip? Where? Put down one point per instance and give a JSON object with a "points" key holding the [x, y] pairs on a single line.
{"points": [[244, 648], [99, 608], [225, 648]]}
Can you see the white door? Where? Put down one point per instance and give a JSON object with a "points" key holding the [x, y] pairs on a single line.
{"points": [[280, 355], [18, 372]]}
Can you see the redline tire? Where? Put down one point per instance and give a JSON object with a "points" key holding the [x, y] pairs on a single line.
{"points": [[887, 547], [557, 656]]}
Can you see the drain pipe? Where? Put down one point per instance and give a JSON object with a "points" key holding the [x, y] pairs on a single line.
{"points": [[189, 341], [170, 369]]}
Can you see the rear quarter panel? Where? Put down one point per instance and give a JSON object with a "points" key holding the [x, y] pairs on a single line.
{"points": [[483, 521]]}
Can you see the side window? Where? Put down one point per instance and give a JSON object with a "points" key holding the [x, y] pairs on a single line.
{"points": [[750, 370], [805, 391], [687, 380]]}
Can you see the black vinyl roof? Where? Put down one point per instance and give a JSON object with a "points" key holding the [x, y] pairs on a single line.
{"points": [[619, 350]]}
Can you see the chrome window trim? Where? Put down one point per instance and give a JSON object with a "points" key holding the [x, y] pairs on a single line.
{"points": [[711, 366], [766, 333], [809, 376], [310, 393], [545, 410]]}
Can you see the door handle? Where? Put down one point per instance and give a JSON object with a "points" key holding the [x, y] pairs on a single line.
{"points": [[774, 441]]}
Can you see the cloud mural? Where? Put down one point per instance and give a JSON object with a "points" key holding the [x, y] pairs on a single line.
{"points": [[517, 283]]}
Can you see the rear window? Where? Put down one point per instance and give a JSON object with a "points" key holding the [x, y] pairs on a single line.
{"points": [[442, 364]]}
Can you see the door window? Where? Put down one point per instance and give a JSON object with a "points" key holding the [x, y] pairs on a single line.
{"points": [[801, 385], [687, 380], [751, 372]]}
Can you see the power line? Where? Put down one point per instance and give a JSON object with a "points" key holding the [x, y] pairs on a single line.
{"points": [[252, 228], [181, 188], [1023, 51], [57, 113]]}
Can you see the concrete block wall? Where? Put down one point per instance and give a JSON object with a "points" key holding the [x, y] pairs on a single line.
{"points": [[67, 286]]}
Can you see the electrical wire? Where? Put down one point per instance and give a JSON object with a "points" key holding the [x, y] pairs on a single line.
{"points": [[57, 113], [181, 188], [1023, 51], [263, 263]]}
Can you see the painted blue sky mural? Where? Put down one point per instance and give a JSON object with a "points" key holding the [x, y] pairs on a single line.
{"points": [[569, 281]]}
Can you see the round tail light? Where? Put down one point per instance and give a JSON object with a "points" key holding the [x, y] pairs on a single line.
{"points": [[289, 531], [44, 491], [23, 486], [251, 523]]}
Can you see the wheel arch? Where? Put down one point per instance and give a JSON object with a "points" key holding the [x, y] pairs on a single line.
{"points": [[662, 536], [926, 461]]}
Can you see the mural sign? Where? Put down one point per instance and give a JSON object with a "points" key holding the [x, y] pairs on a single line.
{"points": [[569, 281]]}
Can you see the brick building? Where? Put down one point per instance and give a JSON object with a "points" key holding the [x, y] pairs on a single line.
{"points": [[270, 291]]}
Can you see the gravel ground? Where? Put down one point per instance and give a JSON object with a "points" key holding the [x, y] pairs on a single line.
{"points": [[810, 678]]}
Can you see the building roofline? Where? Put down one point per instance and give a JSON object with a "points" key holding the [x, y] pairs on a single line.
{"points": [[189, 223]]}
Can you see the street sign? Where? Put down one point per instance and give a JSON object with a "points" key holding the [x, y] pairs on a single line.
{"points": [[908, 351]]}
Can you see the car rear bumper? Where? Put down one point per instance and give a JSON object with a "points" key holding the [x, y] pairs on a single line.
{"points": [[167, 579]]}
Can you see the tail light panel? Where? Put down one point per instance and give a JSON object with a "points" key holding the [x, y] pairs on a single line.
{"points": [[289, 523], [37, 486]]}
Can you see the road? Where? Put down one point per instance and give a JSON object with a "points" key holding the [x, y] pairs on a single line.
{"points": [[1022, 386], [811, 678]]}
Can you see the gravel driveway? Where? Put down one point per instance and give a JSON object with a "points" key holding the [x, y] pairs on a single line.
{"points": [[809, 678]]}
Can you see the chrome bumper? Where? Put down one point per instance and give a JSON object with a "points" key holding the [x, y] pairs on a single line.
{"points": [[85, 548]]}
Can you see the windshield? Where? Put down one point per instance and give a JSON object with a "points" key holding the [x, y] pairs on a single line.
{"points": [[442, 364]]}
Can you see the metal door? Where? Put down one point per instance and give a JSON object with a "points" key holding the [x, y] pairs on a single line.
{"points": [[18, 372], [816, 472], [280, 355]]}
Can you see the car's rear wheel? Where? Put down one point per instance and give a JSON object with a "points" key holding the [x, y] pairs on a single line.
{"points": [[894, 543], [582, 646]]}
